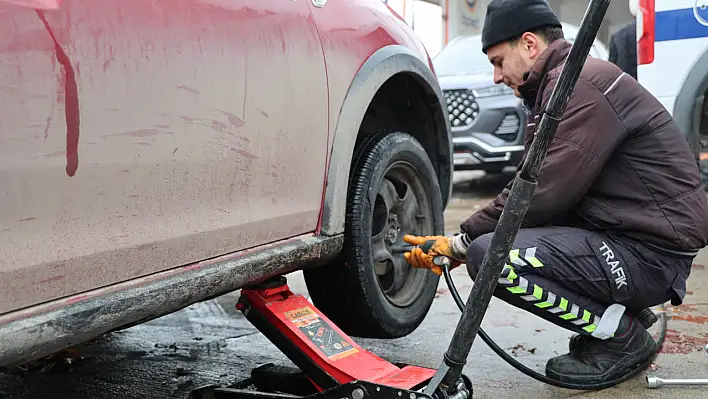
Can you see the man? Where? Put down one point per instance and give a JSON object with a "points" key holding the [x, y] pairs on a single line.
{"points": [[618, 214], [623, 44]]}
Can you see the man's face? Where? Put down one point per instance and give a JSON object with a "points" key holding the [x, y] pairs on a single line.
{"points": [[512, 59]]}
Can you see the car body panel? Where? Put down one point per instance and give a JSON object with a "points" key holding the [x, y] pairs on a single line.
{"points": [[348, 43], [360, 58], [206, 156], [153, 135]]}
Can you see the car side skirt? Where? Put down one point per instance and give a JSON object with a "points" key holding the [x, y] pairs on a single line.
{"points": [[35, 332]]}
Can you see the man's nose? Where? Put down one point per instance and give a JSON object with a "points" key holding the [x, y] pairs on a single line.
{"points": [[498, 77]]}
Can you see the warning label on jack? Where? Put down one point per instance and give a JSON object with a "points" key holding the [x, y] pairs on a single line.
{"points": [[320, 333]]}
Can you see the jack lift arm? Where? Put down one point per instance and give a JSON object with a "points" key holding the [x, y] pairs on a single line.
{"points": [[331, 365]]}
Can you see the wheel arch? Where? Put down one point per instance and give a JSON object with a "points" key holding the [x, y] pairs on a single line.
{"points": [[689, 102], [382, 66]]}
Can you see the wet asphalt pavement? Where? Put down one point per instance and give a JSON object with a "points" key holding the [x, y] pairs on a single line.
{"points": [[211, 342]]}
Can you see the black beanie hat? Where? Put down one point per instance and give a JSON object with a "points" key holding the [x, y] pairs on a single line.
{"points": [[508, 19]]}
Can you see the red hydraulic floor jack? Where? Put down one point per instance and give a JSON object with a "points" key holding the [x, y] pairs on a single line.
{"points": [[331, 365]]}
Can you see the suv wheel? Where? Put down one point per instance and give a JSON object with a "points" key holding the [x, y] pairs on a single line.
{"points": [[372, 291]]}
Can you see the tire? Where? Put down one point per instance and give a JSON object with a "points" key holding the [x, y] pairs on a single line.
{"points": [[349, 291]]}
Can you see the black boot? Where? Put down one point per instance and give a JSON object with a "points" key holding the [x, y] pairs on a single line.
{"points": [[594, 361], [576, 342]]}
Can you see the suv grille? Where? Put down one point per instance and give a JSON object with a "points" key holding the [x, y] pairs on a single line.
{"points": [[461, 107]]}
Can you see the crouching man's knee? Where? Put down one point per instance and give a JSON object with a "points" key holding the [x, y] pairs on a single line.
{"points": [[475, 254]]}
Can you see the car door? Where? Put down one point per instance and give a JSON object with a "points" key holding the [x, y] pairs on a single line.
{"points": [[138, 136]]}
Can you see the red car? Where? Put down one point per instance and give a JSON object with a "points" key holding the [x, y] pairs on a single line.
{"points": [[154, 154]]}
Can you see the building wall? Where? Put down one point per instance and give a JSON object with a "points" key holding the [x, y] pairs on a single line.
{"points": [[572, 11], [465, 17]]}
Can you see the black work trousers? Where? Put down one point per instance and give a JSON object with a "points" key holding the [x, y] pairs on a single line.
{"points": [[573, 277]]}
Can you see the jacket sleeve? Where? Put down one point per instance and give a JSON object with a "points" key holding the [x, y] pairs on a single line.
{"points": [[585, 139]]}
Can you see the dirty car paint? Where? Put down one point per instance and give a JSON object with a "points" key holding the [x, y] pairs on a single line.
{"points": [[351, 32], [140, 136]]}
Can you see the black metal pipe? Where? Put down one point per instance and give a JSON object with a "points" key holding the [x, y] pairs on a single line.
{"points": [[518, 202], [487, 278]]}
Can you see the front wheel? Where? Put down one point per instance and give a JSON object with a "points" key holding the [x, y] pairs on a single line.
{"points": [[372, 291]]}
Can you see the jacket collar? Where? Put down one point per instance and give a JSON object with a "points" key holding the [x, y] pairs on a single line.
{"points": [[556, 52]]}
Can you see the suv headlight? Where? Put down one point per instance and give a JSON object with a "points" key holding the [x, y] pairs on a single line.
{"points": [[493, 91]]}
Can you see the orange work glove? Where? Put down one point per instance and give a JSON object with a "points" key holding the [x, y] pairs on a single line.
{"points": [[433, 246]]}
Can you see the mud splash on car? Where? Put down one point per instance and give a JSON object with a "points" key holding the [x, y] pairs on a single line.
{"points": [[67, 78]]}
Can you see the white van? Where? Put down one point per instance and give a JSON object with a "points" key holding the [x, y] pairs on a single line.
{"points": [[672, 58]]}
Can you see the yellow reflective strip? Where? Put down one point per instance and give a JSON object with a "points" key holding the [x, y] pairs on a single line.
{"points": [[513, 255], [543, 305], [512, 275], [534, 261], [568, 316], [517, 290], [586, 316], [537, 292], [564, 304], [590, 328]]}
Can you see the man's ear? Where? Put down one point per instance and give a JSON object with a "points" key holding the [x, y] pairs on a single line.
{"points": [[531, 44]]}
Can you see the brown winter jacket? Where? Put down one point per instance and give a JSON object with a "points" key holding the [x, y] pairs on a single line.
{"points": [[618, 161]]}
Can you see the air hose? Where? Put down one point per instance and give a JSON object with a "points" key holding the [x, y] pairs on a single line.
{"points": [[540, 377]]}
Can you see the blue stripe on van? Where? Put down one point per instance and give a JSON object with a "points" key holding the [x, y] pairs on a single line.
{"points": [[679, 24]]}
